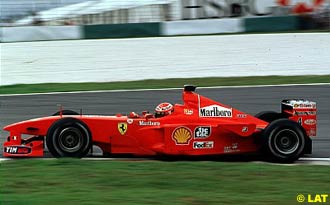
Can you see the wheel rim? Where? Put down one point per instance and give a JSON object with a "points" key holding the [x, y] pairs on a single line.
{"points": [[70, 139], [286, 141]]}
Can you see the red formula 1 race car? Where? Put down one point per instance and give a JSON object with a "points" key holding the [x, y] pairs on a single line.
{"points": [[198, 127]]}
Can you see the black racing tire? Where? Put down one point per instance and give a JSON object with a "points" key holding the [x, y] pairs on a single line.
{"points": [[65, 112], [69, 137], [284, 141], [269, 116]]}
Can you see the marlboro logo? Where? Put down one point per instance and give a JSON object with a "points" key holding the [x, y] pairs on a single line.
{"points": [[215, 111]]}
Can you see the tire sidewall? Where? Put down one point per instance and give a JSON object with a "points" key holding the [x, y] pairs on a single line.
{"points": [[273, 129], [52, 138]]}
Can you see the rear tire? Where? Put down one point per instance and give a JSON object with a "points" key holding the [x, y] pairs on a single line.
{"points": [[69, 137], [284, 140]]}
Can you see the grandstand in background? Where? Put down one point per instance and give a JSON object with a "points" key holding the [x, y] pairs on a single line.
{"points": [[77, 12], [12, 10], [91, 12]]}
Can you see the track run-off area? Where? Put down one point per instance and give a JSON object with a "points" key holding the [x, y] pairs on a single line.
{"points": [[250, 99], [112, 60]]}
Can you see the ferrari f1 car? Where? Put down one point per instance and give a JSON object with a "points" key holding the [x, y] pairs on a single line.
{"points": [[198, 127]]}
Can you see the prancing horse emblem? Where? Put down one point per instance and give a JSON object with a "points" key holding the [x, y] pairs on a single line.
{"points": [[122, 127]]}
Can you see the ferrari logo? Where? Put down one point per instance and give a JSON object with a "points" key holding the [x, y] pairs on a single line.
{"points": [[122, 127]]}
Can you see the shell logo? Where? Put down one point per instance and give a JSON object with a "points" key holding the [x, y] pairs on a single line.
{"points": [[181, 136]]}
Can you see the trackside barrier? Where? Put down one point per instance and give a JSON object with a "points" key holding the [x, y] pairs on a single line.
{"points": [[207, 26], [121, 30], [271, 24], [40, 33], [185, 27]]}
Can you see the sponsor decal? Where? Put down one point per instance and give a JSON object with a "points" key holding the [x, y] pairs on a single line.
{"points": [[202, 132], [17, 150], [215, 111], [245, 129], [203, 145], [182, 135], [310, 122], [122, 127], [231, 148], [129, 121], [11, 150], [305, 112], [188, 111], [241, 115], [305, 105], [149, 123]]}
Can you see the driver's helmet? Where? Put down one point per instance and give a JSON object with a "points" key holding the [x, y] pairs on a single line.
{"points": [[164, 109]]}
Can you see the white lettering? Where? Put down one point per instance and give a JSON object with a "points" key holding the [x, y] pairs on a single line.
{"points": [[202, 132], [11, 149]]}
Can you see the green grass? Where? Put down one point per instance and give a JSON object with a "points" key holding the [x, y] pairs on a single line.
{"points": [[166, 83], [69, 181]]}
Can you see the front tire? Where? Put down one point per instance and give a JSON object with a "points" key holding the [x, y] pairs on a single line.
{"points": [[69, 137], [284, 140], [65, 112]]}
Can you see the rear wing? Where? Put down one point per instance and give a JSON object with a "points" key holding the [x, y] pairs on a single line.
{"points": [[303, 112]]}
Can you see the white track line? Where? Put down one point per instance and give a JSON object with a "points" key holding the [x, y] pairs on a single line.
{"points": [[315, 159], [161, 89], [134, 159]]}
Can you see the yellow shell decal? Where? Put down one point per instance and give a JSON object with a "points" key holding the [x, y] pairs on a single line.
{"points": [[182, 135], [122, 127]]}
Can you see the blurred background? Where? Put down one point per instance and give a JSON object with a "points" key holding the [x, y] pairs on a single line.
{"points": [[158, 17]]}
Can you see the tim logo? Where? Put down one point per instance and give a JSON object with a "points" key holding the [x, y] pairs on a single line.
{"points": [[11, 150], [202, 132]]}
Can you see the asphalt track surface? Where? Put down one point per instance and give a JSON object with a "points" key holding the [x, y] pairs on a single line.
{"points": [[248, 99]]}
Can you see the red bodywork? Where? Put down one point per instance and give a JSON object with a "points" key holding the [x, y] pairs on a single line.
{"points": [[199, 126]]}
